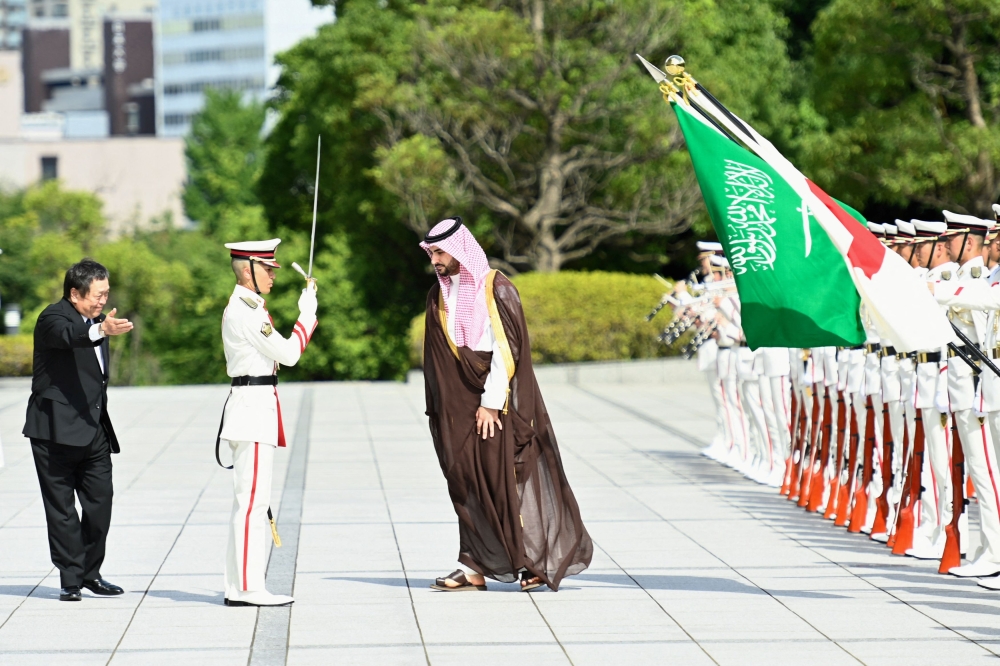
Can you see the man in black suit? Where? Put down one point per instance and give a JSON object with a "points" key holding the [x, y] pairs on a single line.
{"points": [[71, 434]]}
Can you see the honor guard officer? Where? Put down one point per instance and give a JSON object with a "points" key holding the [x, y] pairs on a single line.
{"points": [[251, 420]]}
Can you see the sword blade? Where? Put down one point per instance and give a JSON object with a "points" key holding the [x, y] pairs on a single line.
{"points": [[312, 239]]}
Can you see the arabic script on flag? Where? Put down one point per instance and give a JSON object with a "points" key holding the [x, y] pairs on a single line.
{"points": [[750, 223]]}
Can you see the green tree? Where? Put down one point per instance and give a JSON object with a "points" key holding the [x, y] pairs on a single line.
{"points": [[532, 120], [908, 101], [223, 153]]}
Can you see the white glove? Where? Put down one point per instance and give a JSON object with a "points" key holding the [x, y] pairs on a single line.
{"points": [[307, 302]]}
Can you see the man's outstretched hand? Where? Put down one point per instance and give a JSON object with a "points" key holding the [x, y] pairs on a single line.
{"points": [[485, 419], [112, 326]]}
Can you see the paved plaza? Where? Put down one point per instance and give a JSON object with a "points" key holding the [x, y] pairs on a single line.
{"points": [[692, 565]]}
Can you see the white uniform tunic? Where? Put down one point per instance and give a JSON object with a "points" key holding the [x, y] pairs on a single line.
{"points": [[253, 347], [252, 425]]}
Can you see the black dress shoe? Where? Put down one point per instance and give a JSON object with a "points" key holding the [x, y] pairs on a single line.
{"points": [[103, 587], [71, 593]]}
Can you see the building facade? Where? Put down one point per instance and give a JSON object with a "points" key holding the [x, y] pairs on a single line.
{"points": [[223, 44], [13, 17]]}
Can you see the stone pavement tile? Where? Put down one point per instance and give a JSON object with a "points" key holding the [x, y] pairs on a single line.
{"points": [[527, 653], [48, 658], [759, 618], [355, 547], [430, 547], [448, 618], [421, 505], [323, 588], [344, 475], [207, 626], [942, 650], [138, 549], [199, 549], [610, 503], [778, 653], [24, 550], [863, 616], [189, 656], [748, 543], [87, 627], [323, 504], [643, 544], [185, 590], [374, 655], [574, 619], [652, 653], [346, 623]]}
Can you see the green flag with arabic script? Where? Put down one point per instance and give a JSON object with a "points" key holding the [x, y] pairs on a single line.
{"points": [[794, 285]]}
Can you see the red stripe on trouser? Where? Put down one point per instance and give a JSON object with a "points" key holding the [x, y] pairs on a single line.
{"points": [[986, 452], [246, 527], [281, 424]]}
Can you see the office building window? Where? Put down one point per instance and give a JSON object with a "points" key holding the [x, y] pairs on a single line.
{"points": [[132, 118], [50, 168], [214, 55]]}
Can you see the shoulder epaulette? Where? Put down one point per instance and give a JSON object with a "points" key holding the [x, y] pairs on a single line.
{"points": [[251, 303]]}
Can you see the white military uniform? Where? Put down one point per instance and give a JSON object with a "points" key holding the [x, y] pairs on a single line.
{"points": [[253, 428], [977, 443]]}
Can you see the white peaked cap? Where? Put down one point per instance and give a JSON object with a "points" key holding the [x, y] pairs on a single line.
{"points": [[929, 229], [890, 229], [996, 209], [905, 228], [958, 221], [716, 260], [876, 228], [262, 251], [709, 246]]}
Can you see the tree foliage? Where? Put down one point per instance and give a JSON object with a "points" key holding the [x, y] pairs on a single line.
{"points": [[908, 97]]}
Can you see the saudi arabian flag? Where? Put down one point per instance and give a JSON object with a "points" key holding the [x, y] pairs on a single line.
{"points": [[795, 288]]}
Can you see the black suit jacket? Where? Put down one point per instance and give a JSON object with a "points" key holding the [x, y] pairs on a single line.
{"points": [[69, 393]]}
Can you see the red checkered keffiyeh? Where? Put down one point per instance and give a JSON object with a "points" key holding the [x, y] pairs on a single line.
{"points": [[471, 314]]}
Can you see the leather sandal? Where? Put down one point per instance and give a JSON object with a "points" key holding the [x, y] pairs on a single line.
{"points": [[457, 576], [529, 582]]}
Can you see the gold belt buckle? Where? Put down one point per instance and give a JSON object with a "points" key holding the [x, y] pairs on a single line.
{"points": [[921, 357]]}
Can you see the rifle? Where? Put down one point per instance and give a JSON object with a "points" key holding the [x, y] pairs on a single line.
{"points": [[814, 437], [819, 484], [834, 498], [786, 482], [882, 504], [848, 490], [908, 503], [952, 556], [904, 467], [859, 514]]}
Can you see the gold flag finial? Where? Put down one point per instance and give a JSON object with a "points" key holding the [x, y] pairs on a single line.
{"points": [[674, 65]]}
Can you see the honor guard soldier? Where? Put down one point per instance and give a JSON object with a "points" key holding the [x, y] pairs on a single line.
{"points": [[251, 421]]}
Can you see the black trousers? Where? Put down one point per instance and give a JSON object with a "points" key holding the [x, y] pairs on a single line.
{"points": [[65, 472]]}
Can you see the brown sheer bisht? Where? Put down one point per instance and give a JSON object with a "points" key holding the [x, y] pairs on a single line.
{"points": [[515, 507]]}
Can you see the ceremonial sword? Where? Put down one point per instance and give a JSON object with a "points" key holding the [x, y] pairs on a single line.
{"points": [[312, 238]]}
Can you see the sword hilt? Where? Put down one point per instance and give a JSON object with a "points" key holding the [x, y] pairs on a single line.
{"points": [[274, 529]]}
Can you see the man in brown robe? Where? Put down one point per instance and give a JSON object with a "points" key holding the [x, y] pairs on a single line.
{"points": [[517, 515]]}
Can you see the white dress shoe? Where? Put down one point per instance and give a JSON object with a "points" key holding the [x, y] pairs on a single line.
{"points": [[990, 583], [259, 598], [881, 537], [976, 569]]}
